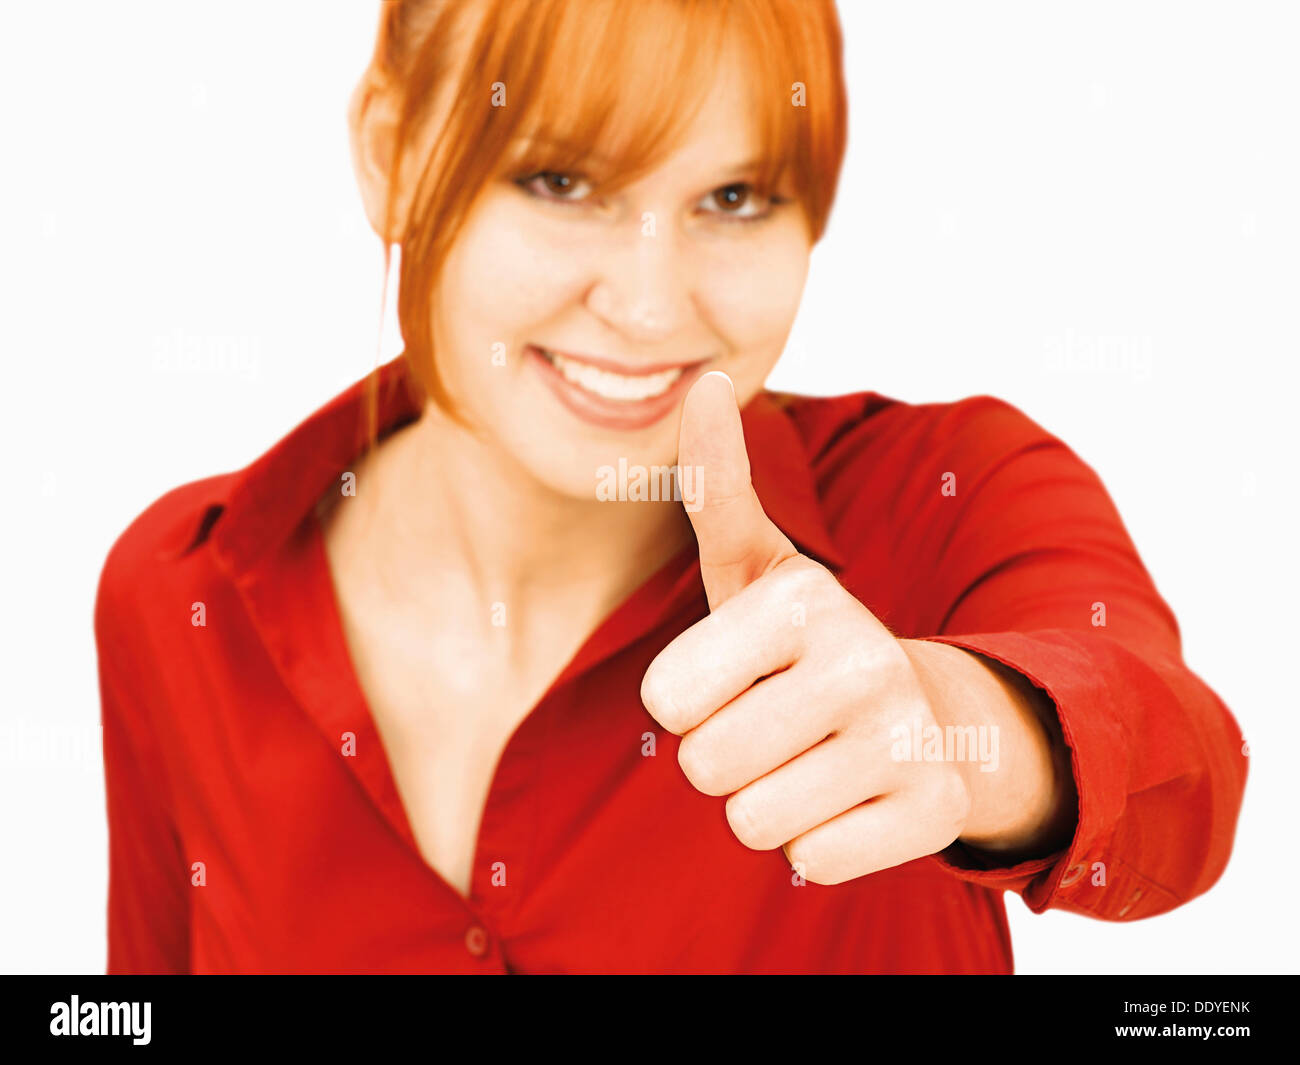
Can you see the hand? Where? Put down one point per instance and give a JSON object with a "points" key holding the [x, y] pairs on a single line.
{"points": [[791, 697]]}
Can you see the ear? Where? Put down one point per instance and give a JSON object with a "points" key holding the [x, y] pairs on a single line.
{"points": [[372, 129]]}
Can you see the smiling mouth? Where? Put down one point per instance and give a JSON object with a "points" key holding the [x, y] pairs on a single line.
{"points": [[610, 385]]}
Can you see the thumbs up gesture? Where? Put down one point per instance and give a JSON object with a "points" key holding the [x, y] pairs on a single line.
{"points": [[787, 696]]}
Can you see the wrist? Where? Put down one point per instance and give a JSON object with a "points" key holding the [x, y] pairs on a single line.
{"points": [[1014, 759]]}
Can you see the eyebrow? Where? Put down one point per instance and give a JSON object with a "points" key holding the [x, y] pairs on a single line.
{"points": [[556, 142], [741, 168], [562, 145]]}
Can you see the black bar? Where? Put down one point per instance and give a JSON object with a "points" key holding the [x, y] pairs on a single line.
{"points": [[434, 1015]]}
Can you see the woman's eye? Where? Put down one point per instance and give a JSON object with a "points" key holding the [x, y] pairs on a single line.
{"points": [[740, 202], [552, 185]]}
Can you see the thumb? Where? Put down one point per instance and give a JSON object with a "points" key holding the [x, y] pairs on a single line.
{"points": [[738, 542]]}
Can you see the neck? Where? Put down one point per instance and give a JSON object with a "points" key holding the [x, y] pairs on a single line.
{"points": [[446, 505]]}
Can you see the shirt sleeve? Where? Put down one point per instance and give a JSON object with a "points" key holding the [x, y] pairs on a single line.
{"points": [[148, 901], [1032, 566]]}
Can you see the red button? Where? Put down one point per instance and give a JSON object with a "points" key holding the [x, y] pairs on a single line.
{"points": [[476, 941], [1073, 873]]}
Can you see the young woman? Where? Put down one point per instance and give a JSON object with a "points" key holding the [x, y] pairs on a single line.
{"points": [[458, 677]]}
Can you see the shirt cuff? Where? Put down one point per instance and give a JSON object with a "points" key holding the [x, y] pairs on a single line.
{"points": [[1057, 662]]}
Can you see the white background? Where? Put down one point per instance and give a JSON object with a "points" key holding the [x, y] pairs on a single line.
{"points": [[1089, 210]]}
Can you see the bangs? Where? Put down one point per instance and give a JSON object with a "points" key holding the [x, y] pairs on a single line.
{"points": [[609, 88]]}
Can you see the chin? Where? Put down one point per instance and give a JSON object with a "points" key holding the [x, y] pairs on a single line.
{"points": [[609, 471]]}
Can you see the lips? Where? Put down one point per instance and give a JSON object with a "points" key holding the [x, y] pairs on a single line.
{"points": [[603, 392], [619, 387]]}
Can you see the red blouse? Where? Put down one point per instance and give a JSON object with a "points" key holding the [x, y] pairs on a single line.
{"points": [[254, 823]]}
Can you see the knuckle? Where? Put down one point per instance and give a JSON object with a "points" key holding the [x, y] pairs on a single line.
{"points": [[802, 578], [745, 825], [950, 806], [954, 795], [807, 863], [866, 666], [890, 657], [698, 765], [659, 695]]}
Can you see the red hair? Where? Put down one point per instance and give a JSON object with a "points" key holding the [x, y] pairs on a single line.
{"points": [[622, 78]]}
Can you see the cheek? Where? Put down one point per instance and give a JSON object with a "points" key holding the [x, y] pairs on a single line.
{"points": [[751, 294], [500, 284], [511, 272]]}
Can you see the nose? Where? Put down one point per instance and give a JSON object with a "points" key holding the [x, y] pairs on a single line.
{"points": [[643, 289]]}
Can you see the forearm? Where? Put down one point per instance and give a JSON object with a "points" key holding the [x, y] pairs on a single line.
{"points": [[1024, 805]]}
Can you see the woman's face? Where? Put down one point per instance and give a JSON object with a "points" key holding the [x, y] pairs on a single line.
{"points": [[570, 327]]}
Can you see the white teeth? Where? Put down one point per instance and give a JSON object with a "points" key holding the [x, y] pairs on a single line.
{"points": [[614, 386]]}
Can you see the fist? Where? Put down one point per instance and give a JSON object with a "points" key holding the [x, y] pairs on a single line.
{"points": [[789, 696]]}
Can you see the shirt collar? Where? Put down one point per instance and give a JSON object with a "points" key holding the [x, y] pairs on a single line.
{"points": [[259, 507]]}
